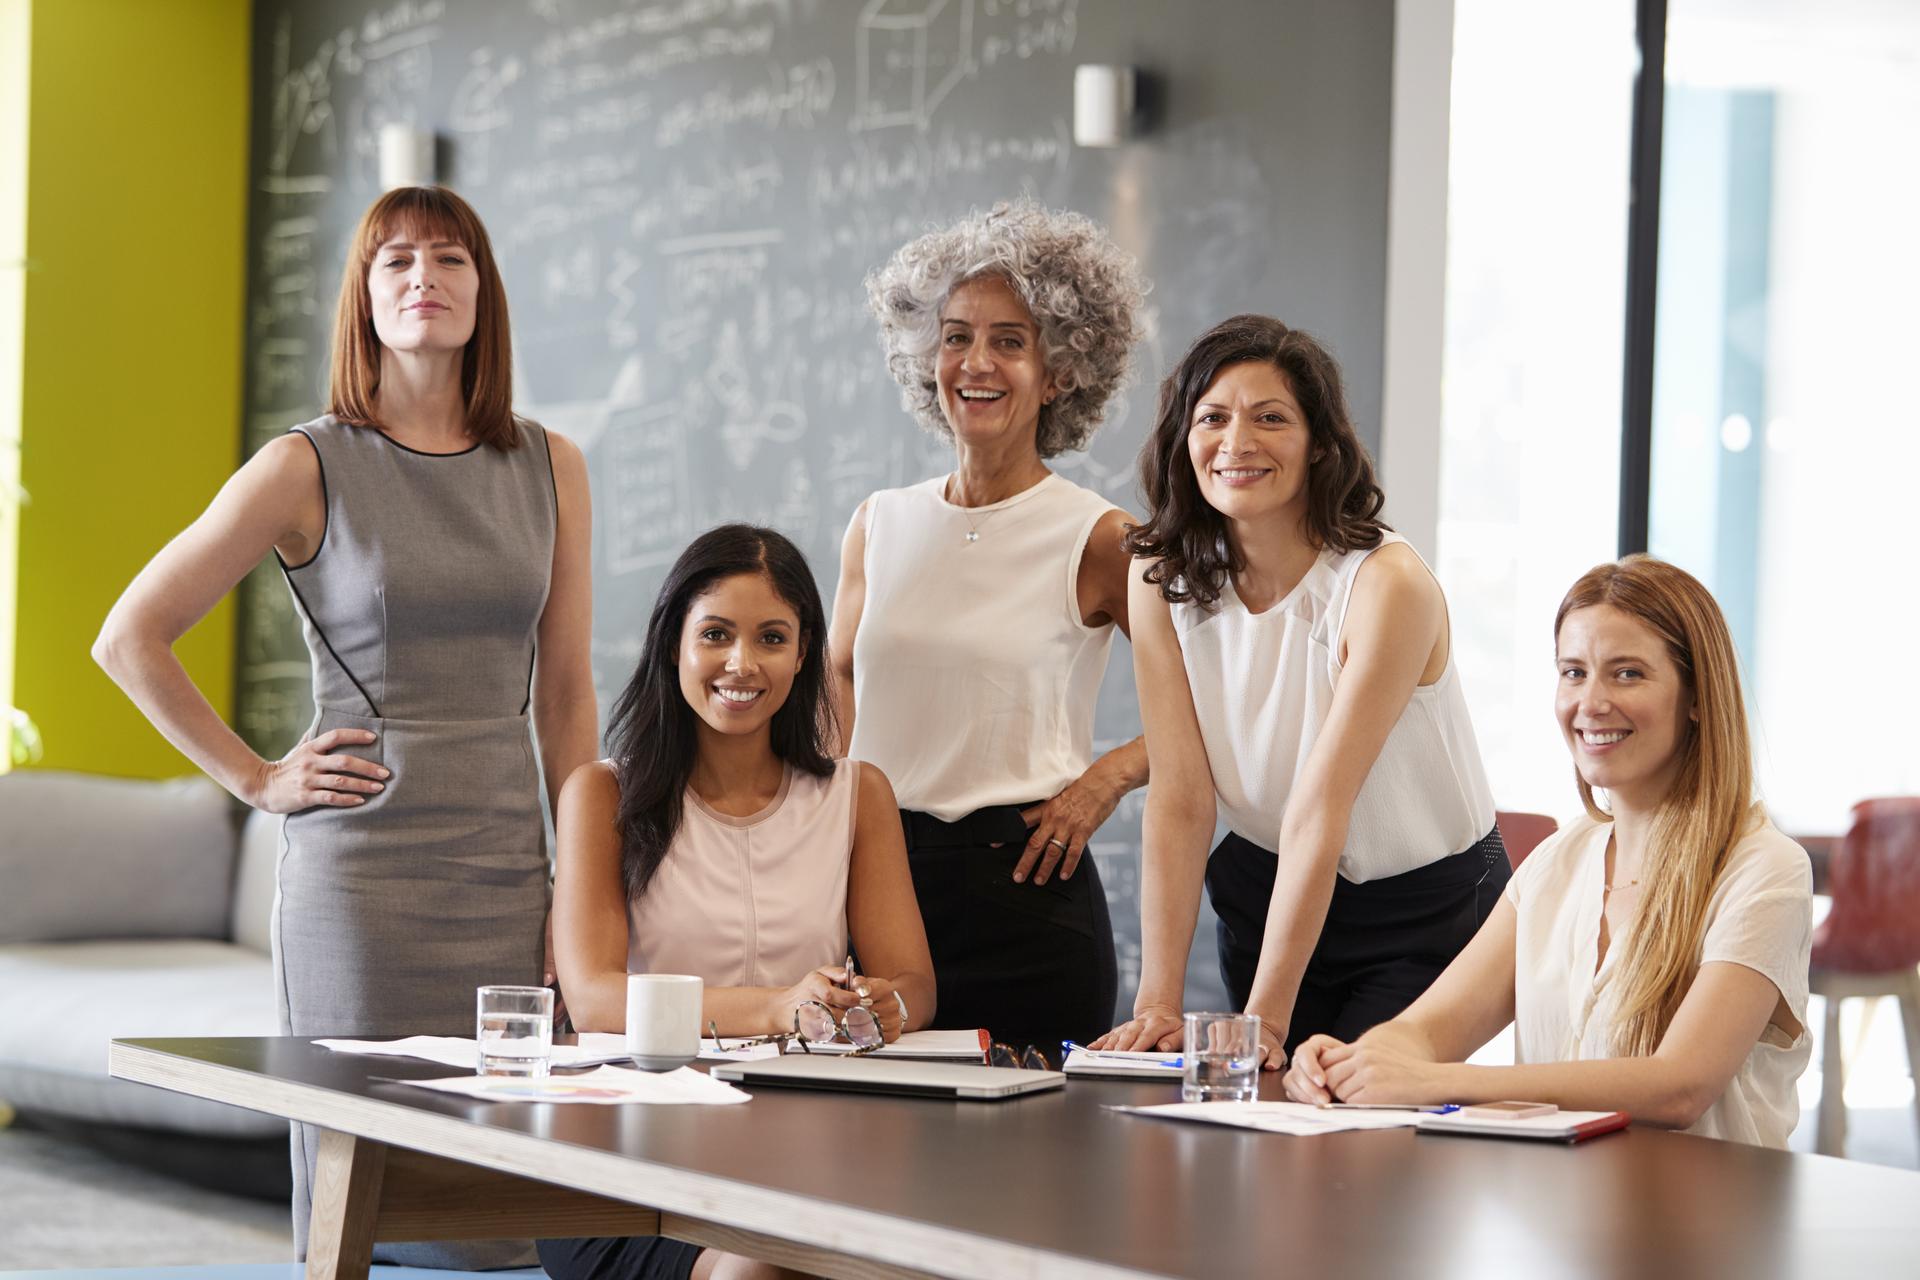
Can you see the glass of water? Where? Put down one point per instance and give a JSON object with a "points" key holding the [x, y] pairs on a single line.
{"points": [[515, 1031], [1222, 1058]]}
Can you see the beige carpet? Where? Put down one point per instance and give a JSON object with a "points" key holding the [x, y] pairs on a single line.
{"points": [[64, 1205]]}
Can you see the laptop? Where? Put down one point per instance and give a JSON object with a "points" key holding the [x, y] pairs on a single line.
{"points": [[874, 1075]]}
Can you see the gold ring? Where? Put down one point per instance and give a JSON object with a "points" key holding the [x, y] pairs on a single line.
{"points": [[1061, 843]]}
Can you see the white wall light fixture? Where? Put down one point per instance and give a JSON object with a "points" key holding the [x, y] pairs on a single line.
{"points": [[406, 157], [1104, 100]]}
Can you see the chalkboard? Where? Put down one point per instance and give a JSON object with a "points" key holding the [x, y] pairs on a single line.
{"points": [[685, 196]]}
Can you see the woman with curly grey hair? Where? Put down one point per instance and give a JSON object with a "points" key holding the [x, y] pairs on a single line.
{"points": [[976, 610]]}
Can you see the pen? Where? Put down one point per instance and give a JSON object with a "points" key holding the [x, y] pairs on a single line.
{"points": [[1437, 1109], [1118, 1056]]}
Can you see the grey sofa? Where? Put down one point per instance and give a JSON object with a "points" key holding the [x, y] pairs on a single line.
{"points": [[129, 909]]}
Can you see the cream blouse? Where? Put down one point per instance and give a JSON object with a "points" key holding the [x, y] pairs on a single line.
{"points": [[1760, 916]]}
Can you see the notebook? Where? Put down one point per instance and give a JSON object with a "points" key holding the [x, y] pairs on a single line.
{"points": [[1560, 1126], [1113, 1064], [868, 1074], [959, 1046]]}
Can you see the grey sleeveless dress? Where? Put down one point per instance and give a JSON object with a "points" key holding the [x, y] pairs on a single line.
{"points": [[420, 609]]}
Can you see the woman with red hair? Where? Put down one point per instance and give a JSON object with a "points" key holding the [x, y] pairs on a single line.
{"points": [[436, 545]]}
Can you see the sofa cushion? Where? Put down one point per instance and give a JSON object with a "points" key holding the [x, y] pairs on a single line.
{"points": [[66, 1000], [93, 857], [253, 882]]}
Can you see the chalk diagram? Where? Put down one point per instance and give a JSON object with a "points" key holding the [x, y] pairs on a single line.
{"points": [[747, 421], [645, 453], [911, 54]]}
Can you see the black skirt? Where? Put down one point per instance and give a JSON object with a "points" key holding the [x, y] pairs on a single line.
{"points": [[1384, 942], [1032, 963]]}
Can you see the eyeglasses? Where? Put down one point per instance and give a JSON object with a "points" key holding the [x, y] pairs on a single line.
{"points": [[815, 1024], [1005, 1055]]}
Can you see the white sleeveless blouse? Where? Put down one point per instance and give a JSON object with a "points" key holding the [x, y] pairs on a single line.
{"points": [[974, 678], [1262, 686], [758, 901]]}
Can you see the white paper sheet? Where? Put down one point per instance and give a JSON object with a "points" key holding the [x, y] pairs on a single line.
{"points": [[595, 1048], [602, 1086], [1296, 1118]]}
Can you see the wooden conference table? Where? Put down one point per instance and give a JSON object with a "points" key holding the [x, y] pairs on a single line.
{"points": [[1049, 1185]]}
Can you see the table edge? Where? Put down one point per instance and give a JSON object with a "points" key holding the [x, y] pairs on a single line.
{"points": [[821, 1223]]}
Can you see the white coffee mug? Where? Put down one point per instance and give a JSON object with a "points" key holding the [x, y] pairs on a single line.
{"points": [[663, 1020]]}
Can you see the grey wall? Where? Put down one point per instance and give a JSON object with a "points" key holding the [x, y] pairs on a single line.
{"points": [[685, 196]]}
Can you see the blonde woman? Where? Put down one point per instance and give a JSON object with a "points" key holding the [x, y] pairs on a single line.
{"points": [[1653, 955]]}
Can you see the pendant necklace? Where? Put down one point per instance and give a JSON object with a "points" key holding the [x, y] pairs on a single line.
{"points": [[973, 527], [1605, 888]]}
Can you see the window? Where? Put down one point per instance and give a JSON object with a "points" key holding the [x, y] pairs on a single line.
{"points": [[1785, 444], [1530, 418]]}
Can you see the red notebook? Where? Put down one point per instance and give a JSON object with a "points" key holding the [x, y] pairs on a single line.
{"points": [[1559, 1126]]}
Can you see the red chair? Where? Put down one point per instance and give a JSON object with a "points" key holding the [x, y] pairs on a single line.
{"points": [[1521, 832], [1869, 944]]}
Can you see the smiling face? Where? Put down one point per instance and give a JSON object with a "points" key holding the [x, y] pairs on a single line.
{"points": [[991, 373], [1623, 705], [1250, 444], [739, 648], [422, 290]]}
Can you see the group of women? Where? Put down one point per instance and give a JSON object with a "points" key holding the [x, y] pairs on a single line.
{"points": [[889, 809]]}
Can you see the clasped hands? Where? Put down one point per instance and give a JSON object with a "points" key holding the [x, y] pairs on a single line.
{"points": [[826, 985], [1328, 1070]]}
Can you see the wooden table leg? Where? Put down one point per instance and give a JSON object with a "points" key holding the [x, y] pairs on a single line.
{"points": [[365, 1191], [346, 1204]]}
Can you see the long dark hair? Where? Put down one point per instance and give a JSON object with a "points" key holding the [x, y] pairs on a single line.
{"points": [[1183, 532], [651, 736]]}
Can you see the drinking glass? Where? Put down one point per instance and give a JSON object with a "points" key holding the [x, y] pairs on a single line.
{"points": [[1221, 1058], [515, 1031]]}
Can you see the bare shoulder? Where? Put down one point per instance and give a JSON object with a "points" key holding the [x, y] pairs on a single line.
{"points": [[569, 463], [853, 551], [876, 792], [595, 785], [564, 451], [1394, 577], [1143, 591], [1113, 526], [1107, 544], [286, 459], [857, 525]]}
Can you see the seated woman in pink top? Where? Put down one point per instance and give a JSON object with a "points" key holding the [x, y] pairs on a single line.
{"points": [[721, 839], [1652, 956]]}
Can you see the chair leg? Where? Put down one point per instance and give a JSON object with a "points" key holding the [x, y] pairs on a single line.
{"points": [[1910, 1023], [1830, 1133], [1865, 1027]]}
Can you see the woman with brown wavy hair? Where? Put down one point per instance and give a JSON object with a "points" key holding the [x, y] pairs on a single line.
{"points": [[1296, 677], [1653, 955], [436, 545]]}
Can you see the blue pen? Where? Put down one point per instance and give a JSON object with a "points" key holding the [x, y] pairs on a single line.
{"points": [[1115, 1055]]}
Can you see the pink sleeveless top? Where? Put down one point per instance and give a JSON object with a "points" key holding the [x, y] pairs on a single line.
{"points": [[756, 901]]}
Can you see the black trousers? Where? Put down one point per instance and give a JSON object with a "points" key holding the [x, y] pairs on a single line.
{"points": [[1384, 941], [618, 1258], [1033, 963]]}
